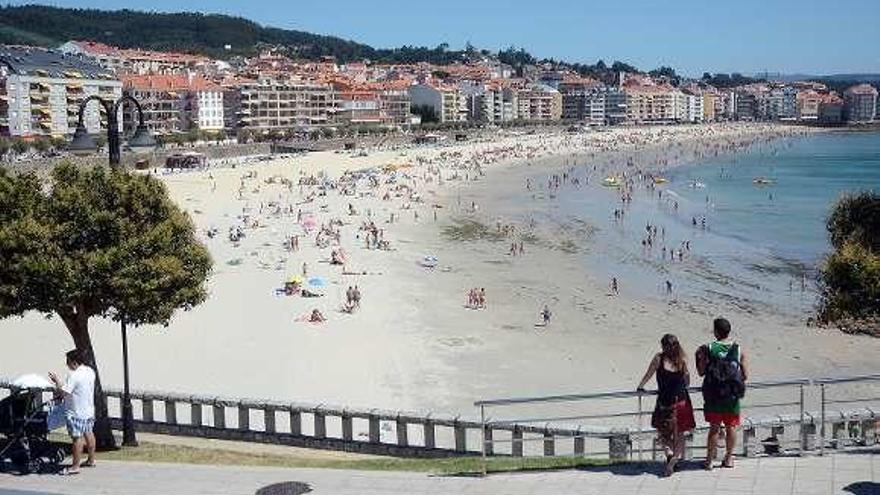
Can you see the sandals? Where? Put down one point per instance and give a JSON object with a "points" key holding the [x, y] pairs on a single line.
{"points": [[87, 464], [728, 463], [670, 466]]}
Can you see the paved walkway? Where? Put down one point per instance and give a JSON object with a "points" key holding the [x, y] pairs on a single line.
{"points": [[842, 473]]}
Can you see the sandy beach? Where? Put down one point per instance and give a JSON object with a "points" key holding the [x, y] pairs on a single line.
{"points": [[415, 230]]}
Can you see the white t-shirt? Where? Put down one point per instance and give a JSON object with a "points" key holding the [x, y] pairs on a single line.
{"points": [[81, 387]]}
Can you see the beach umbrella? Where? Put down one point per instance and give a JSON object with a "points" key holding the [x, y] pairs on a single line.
{"points": [[296, 279], [317, 282], [309, 222]]}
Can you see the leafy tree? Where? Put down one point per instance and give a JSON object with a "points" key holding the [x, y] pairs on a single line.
{"points": [[97, 242], [850, 276], [427, 112], [20, 146]]}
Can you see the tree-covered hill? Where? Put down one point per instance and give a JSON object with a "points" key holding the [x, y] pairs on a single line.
{"points": [[206, 34]]}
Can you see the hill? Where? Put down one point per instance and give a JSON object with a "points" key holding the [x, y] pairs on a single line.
{"points": [[205, 34]]}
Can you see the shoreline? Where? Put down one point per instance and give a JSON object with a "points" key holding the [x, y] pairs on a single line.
{"points": [[413, 345]]}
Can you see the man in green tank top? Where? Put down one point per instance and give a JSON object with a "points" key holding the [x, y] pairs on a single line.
{"points": [[724, 411]]}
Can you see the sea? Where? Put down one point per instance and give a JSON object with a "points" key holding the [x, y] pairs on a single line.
{"points": [[754, 220]]}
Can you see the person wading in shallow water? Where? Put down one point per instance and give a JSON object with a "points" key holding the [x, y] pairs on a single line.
{"points": [[724, 369], [673, 413]]}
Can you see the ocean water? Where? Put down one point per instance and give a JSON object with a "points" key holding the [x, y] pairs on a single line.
{"points": [[787, 216], [761, 244]]}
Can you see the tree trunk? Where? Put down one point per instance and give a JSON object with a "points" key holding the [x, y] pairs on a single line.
{"points": [[78, 325]]}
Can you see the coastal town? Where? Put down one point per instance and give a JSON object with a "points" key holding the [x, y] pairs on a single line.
{"points": [[229, 262], [272, 96]]}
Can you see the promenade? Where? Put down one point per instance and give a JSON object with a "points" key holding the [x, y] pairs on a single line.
{"points": [[855, 473]]}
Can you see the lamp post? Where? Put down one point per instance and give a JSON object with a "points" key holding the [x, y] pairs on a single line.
{"points": [[84, 143]]}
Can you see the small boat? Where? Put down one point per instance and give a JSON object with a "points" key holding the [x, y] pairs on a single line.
{"points": [[763, 181], [660, 180], [611, 182]]}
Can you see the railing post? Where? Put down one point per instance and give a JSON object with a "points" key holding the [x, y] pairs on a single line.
{"points": [[374, 428], [320, 423], [822, 417], [400, 427], [869, 430], [619, 446], [196, 414], [516, 441], [579, 443], [483, 436], [460, 433], [171, 411], [295, 420], [430, 442], [219, 414], [639, 437], [347, 426], [269, 418], [147, 410], [689, 446], [549, 443], [803, 434], [750, 437], [244, 417]]}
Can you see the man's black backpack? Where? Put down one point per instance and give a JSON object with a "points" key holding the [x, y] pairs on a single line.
{"points": [[723, 379]]}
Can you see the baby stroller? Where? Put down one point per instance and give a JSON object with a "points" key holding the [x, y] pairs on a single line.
{"points": [[25, 428]]}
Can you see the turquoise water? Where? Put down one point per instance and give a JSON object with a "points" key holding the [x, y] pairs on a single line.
{"points": [[788, 216], [762, 243]]}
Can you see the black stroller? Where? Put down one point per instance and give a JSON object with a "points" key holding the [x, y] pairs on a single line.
{"points": [[24, 425]]}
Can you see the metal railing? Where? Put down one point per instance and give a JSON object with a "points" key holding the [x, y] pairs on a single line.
{"points": [[779, 412]]}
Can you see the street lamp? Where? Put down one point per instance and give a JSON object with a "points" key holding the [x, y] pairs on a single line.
{"points": [[83, 144]]}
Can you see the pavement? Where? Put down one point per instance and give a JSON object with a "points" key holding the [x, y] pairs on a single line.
{"points": [[839, 473]]}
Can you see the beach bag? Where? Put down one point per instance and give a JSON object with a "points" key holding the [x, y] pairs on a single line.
{"points": [[723, 380]]}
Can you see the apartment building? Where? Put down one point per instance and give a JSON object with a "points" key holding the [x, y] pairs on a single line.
{"points": [[269, 104], [42, 90], [831, 109], [808, 102], [575, 93], [538, 102], [652, 104], [860, 103], [448, 102], [174, 102], [132, 61], [491, 102], [394, 104]]}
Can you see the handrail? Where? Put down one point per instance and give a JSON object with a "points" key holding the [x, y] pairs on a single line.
{"points": [[622, 394]]}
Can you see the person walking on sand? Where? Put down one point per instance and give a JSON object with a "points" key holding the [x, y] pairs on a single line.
{"points": [[673, 413], [546, 315], [724, 369], [78, 393], [615, 289]]}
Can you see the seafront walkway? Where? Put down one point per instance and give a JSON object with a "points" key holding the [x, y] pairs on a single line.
{"points": [[853, 472]]}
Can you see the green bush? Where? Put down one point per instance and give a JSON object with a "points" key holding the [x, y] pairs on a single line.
{"points": [[850, 276]]}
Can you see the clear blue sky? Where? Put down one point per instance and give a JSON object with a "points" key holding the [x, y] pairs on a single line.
{"points": [[790, 36]]}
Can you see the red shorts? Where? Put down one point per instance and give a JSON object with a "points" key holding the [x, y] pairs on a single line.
{"points": [[717, 418]]}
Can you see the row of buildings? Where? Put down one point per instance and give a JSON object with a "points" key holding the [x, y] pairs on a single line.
{"points": [[41, 89]]}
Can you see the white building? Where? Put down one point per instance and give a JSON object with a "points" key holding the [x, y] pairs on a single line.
{"points": [[448, 102], [41, 90]]}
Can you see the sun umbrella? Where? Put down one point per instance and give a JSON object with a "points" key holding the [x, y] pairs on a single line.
{"points": [[317, 282]]}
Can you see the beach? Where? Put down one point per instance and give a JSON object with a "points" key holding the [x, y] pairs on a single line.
{"points": [[415, 229]]}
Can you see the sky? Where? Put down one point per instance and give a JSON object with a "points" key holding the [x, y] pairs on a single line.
{"points": [[693, 36]]}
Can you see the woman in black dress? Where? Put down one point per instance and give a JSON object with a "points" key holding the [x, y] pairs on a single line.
{"points": [[673, 413]]}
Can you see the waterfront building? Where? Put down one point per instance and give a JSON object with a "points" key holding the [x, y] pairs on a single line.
{"points": [[831, 109], [575, 93], [745, 106], [448, 102], [808, 102], [42, 90], [394, 103], [538, 102], [267, 104], [174, 102], [860, 103], [651, 104], [492, 102]]}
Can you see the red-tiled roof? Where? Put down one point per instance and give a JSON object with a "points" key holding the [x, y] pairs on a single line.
{"points": [[169, 82]]}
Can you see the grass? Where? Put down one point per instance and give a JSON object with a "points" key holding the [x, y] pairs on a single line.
{"points": [[461, 466]]}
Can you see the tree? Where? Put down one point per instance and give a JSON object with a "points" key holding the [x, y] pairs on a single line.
{"points": [[850, 276], [20, 146], [96, 242]]}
